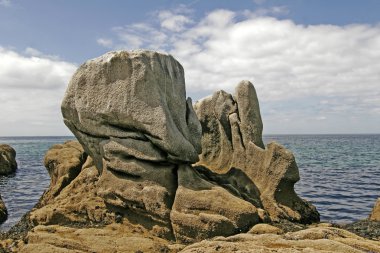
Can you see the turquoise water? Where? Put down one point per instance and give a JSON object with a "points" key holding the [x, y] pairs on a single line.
{"points": [[340, 174]]}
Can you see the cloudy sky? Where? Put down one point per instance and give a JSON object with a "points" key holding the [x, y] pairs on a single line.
{"points": [[315, 64]]}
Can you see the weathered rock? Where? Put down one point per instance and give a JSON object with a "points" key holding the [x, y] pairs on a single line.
{"points": [[309, 240], [3, 211], [72, 195], [265, 229], [63, 163], [140, 190], [8, 162], [375, 215], [232, 139], [111, 238], [137, 96], [203, 210]]}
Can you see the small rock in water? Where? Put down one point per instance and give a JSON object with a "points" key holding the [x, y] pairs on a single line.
{"points": [[8, 163]]}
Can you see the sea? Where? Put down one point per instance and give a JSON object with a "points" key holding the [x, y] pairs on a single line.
{"points": [[340, 174]]}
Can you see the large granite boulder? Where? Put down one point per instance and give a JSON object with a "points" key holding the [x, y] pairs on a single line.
{"points": [[232, 139], [3, 211], [8, 162], [138, 97], [375, 214]]}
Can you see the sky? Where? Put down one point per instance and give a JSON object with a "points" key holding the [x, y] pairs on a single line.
{"points": [[315, 64]]}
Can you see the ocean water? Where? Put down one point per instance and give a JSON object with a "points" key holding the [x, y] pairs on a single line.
{"points": [[340, 174], [22, 190]]}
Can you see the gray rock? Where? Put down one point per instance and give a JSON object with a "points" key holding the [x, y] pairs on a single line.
{"points": [[137, 95], [8, 163]]}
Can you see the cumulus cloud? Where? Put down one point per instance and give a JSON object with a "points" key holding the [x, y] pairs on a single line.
{"points": [[289, 63], [32, 87]]}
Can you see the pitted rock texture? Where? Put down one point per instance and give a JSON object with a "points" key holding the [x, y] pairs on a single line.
{"points": [[138, 98], [8, 162], [232, 140]]}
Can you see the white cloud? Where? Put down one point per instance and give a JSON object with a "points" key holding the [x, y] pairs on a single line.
{"points": [[173, 22], [287, 62], [32, 88], [108, 43]]}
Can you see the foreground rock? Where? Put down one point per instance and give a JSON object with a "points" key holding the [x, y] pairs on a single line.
{"points": [[232, 143], [375, 215], [310, 240], [3, 211], [8, 163]]}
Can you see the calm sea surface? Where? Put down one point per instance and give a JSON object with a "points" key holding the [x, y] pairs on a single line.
{"points": [[340, 174]]}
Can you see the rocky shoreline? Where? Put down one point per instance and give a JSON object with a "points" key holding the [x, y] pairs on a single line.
{"points": [[152, 173]]}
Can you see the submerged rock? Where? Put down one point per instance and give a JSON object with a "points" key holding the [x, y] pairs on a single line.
{"points": [[8, 163], [232, 140]]}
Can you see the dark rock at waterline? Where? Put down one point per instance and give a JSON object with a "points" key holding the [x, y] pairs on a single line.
{"points": [[3, 211], [8, 163]]}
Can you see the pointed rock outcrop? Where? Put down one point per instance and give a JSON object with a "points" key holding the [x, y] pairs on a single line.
{"points": [[232, 139]]}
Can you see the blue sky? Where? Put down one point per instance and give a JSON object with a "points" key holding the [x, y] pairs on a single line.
{"points": [[315, 64]]}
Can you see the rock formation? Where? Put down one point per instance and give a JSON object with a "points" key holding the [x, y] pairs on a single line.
{"points": [[232, 141], [8, 163], [3, 211], [130, 113], [375, 215]]}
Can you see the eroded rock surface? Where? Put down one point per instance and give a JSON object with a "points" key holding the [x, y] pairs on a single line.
{"points": [[8, 162], [309, 240], [232, 140], [129, 111], [137, 97], [202, 209]]}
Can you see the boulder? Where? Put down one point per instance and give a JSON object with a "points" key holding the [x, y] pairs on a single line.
{"points": [[8, 163], [138, 97], [3, 211], [202, 209], [375, 215], [232, 140]]}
